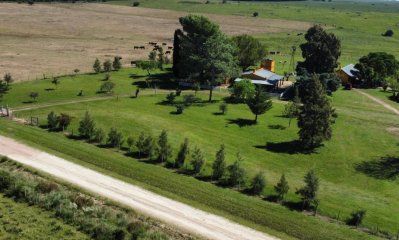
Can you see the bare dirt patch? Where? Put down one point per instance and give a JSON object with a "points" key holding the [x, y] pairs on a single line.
{"points": [[57, 38]]}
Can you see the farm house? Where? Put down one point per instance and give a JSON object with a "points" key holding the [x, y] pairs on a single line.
{"points": [[347, 74]]}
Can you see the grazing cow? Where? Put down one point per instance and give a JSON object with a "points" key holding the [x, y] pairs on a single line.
{"points": [[167, 52], [136, 47], [142, 47], [299, 34], [170, 48], [163, 44]]}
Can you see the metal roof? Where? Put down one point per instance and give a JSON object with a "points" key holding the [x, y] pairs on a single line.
{"points": [[350, 70], [264, 73], [259, 82]]}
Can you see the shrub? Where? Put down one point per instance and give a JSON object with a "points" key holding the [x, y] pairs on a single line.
{"points": [[356, 218], [46, 187], [388, 33], [136, 4], [258, 184], [197, 160], [107, 65], [52, 121], [107, 76], [107, 87], [179, 108], [255, 14], [170, 98], [237, 173], [242, 90], [82, 201], [98, 135], [116, 64], [190, 99], [5, 180], [223, 107], [64, 120]]}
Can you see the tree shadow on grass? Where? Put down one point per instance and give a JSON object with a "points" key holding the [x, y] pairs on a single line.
{"points": [[386, 168], [293, 206], [277, 127], [290, 147], [218, 113], [241, 122], [49, 89]]}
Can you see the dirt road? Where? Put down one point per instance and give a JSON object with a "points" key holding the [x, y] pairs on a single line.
{"points": [[167, 210], [379, 101]]}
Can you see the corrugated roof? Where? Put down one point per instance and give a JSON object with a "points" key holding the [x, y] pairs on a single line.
{"points": [[260, 82], [350, 70], [264, 73]]}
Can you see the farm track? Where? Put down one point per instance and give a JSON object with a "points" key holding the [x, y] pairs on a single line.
{"points": [[379, 101], [172, 212]]}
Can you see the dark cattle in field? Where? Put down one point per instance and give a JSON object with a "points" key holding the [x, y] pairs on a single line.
{"points": [[299, 34], [136, 47], [164, 44], [142, 47], [167, 52], [170, 48]]}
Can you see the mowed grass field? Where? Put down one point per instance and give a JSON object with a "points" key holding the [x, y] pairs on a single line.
{"points": [[21, 221], [359, 25], [359, 137]]}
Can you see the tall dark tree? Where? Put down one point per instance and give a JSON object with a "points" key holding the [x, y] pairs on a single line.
{"points": [[258, 183], [52, 121], [259, 103], [8, 78], [97, 66], [115, 138], [197, 160], [206, 53], [236, 172], [117, 64], [107, 66], [250, 50], [376, 67], [315, 116], [308, 192], [320, 51], [3, 88], [183, 152], [176, 51], [219, 165], [87, 126], [55, 81], [64, 120]]}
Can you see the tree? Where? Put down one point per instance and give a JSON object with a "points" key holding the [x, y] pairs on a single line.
{"points": [[197, 160], [170, 98], [258, 183], [376, 67], [34, 95], [161, 58], [115, 138], [291, 109], [116, 64], [315, 116], [223, 107], [99, 135], [64, 120], [52, 121], [308, 192], [152, 56], [237, 173], [320, 51], [356, 217], [164, 148], [219, 165], [107, 87], [3, 88], [8, 78], [147, 66], [140, 143], [176, 51], [87, 126], [250, 50], [149, 146], [242, 90], [97, 66], [107, 65], [130, 143], [55, 81], [205, 52], [183, 152], [259, 103], [281, 188]]}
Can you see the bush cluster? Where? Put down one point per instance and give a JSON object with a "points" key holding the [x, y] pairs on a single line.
{"points": [[96, 220]]}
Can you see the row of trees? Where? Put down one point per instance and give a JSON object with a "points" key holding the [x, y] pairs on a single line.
{"points": [[107, 66]]}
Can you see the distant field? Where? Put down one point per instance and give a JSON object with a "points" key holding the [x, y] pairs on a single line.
{"points": [[358, 24], [20, 221], [360, 136], [55, 39]]}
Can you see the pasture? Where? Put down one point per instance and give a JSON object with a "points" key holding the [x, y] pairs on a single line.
{"points": [[359, 139], [64, 37]]}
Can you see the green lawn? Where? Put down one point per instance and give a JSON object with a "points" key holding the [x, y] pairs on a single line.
{"points": [[358, 24], [20, 221], [359, 135]]}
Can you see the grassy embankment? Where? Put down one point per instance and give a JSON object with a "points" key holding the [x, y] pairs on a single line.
{"points": [[359, 136]]}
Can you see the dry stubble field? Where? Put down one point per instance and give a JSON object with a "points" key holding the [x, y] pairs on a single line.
{"points": [[55, 39]]}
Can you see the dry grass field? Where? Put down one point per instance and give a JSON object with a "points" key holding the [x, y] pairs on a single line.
{"points": [[58, 38]]}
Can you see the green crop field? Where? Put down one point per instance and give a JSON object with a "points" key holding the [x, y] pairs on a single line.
{"points": [[359, 25], [359, 138], [20, 221]]}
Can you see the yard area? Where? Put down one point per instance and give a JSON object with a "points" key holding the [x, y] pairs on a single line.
{"points": [[346, 184]]}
